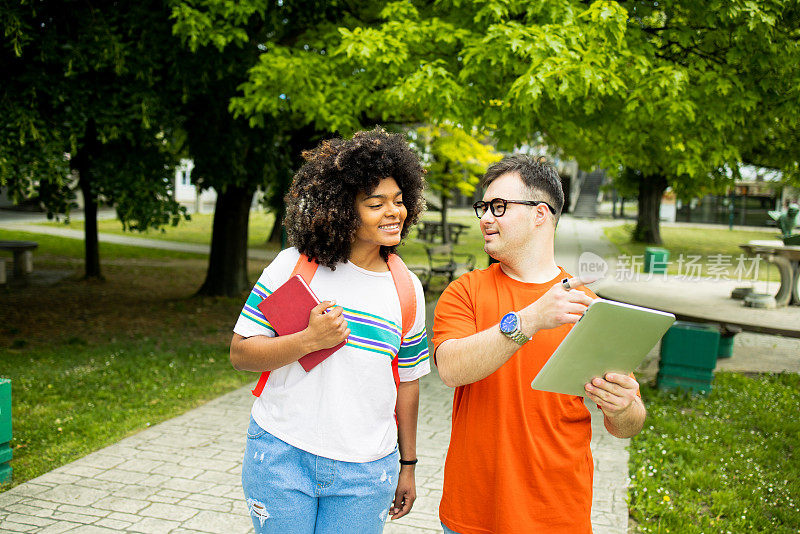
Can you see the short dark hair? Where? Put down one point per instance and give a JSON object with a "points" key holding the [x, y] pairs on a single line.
{"points": [[537, 175], [321, 215]]}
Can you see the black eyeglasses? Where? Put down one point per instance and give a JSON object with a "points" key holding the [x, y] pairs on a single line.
{"points": [[498, 206]]}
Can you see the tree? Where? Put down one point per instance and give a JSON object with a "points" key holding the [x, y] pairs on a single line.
{"points": [[290, 44], [230, 157], [668, 89], [233, 155], [736, 87], [86, 94], [674, 89], [454, 160]]}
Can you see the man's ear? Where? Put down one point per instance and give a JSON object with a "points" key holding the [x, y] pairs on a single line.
{"points": [[542, 214]]}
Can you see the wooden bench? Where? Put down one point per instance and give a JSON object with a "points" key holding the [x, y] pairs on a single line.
{"points": [[444, 262], [23, 258]]}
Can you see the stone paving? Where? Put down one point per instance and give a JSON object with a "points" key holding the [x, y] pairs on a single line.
{"points": [[183, 476], [253, 254]]}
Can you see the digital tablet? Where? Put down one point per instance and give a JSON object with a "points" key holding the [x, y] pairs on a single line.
{"points": [[610, 337]]}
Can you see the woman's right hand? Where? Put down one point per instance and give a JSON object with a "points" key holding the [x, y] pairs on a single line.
{"points": [[326, 329]]}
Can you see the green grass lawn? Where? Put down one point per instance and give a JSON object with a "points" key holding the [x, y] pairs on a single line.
{"points": [[728, 462], [198, 231], [715, 251], [93, 362], [117, 356]]}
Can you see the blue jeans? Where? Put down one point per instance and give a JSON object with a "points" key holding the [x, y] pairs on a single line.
{"points": [[291, 491], [447, 530]]}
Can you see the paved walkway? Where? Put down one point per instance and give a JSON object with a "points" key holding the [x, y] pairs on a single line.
{"points": [[182, 476], [253, 254]]}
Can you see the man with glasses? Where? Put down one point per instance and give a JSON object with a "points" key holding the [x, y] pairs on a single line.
{"points": [[519, 459]]}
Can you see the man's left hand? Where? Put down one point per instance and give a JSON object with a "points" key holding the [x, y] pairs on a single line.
{"points": [[614, 394]]}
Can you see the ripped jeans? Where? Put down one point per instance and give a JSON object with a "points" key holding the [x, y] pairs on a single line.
{"points": [[291, 491]]}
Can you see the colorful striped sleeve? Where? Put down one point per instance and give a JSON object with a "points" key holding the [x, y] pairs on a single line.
{"points": [[413, 351], [251, 321]]}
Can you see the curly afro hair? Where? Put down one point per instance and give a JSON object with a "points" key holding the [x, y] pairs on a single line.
{"points": [[321, 216]]}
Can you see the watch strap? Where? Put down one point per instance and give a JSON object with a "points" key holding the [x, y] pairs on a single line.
{"points": [[518, 337]]}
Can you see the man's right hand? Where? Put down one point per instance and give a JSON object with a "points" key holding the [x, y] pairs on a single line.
{"points": [[326, 328], [556, 307]]}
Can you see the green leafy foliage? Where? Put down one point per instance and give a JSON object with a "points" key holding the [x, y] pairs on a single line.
{"points": [[676, 90], [673, 88], [89, 83], [454, 158]]}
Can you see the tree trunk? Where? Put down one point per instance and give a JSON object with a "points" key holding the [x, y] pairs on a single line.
{"points": [[614, 204], [445, 230], [82, 162], [651, 189], [227, 263], [276, 235]]}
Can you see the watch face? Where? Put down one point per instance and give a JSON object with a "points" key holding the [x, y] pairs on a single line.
{"points": [[508, 323]]}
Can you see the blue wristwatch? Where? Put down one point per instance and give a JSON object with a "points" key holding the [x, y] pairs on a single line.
{"points": [[509, 327]]}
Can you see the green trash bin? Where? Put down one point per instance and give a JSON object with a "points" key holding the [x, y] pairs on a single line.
{"points": [[725, 346], [726, 335], [5, 430], [656, 260], [688, 357]]}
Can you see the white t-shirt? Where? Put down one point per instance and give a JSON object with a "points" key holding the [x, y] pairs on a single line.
{"points": [[344, 407]]}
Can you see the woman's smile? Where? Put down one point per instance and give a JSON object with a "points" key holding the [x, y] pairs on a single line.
{"points": [[392, 228]]}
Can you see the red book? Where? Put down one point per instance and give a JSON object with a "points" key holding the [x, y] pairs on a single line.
{"points": [[287, 310]]}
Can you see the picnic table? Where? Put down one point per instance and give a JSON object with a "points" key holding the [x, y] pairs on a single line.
{"points": [[23, 258], [443, 261], [430, 230], [787, 259]]}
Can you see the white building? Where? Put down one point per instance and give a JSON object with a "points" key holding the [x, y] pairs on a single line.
{"points": [[186, 192]]}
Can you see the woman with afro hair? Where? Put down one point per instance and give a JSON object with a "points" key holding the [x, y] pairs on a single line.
{"points": [[325, 447]]}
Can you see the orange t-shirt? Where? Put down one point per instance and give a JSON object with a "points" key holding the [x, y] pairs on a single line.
{"points": [[519, 460]]}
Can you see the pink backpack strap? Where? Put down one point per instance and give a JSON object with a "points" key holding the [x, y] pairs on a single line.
{"points": [[306, 269], [405, 290], [408, 303]]}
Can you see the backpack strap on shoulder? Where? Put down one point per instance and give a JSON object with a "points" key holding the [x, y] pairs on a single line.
{"points": [[405, 290], [306, 269], [408, 303]]}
